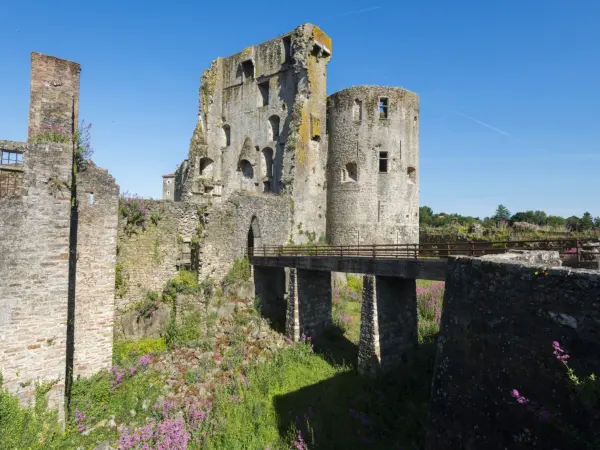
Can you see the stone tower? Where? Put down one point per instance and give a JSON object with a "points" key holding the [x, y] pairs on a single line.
{"points": [[54, 103], [261, 128], [373, 182]]}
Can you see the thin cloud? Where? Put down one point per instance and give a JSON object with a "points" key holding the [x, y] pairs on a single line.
{"points": [[373, 8], [487, 125]]}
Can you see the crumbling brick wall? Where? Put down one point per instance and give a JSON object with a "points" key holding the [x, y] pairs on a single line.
{"points": [[498, 323], [34, 262]]}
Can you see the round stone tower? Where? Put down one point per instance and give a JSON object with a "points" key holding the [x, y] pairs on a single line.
{"points": [[373, 166]]}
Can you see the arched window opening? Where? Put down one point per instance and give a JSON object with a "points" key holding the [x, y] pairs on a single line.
{"points": [[206, 167], [351, 172], [274, 128], [227, 131], [412, 174], [246, 169], [357, 110]]}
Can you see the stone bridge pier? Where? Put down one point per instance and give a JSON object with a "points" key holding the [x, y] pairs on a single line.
{"points": [[388, 323], [388, 329]]}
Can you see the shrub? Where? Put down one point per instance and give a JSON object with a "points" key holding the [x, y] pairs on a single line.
{"points": [[355, 284], [240, 271], [184, 282], [33, 427], [133, 209], [129, 349]]}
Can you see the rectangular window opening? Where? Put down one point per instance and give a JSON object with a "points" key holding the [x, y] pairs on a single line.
{"points": [[11, 158], [383, 162], [264, 93], [287, 47], [383, 108], [248, 69], [91, 198]]}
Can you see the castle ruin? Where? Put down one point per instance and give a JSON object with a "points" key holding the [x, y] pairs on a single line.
{"points": [[57, 254], [347, 163]]}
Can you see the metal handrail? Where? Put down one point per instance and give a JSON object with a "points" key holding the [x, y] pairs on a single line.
{"points": [[415, 251]]}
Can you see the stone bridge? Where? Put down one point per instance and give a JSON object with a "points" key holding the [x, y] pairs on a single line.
{"points": [[301, 279]]}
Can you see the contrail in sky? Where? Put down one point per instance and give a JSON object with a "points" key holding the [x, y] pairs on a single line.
{"points": [[487, 125], [359, 11]]}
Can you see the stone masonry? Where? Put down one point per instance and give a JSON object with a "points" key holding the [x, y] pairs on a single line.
{"points": [[54, 103], [308, 304], [34, 261], [98, 205], [261, 128], [498, 323], [345, 167], [372, 178], [388, 327], [58, 249], [150, 256]]}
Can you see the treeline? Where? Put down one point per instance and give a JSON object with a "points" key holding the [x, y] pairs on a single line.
{"points": [[503, 217]]}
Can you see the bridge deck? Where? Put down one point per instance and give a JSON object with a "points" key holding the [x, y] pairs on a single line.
{"points": [[425, 269], [423, 261]]}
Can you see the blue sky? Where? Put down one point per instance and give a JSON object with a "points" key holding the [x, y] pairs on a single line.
{"points": [[510, 104]]}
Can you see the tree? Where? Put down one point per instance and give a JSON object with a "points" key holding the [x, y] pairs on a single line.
{"points": [[587, 222], [502, 213], [556, 221], [597, 222], [425, 215]]}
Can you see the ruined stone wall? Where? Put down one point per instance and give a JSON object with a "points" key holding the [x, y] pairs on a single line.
{"points": [[98, 205], [54, 102], [168, 192], [34, 263], [365, 204], [149, 257], [498, 323], [307, 145], [225, 229], [243, 142]]}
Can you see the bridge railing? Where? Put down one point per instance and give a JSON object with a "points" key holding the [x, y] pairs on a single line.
{"points": [[425, 250]]}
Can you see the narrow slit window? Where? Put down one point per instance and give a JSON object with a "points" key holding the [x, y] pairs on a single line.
{"points": [[287, 47], [383, 108], [91, 198], [383, 162], [263, 89]]}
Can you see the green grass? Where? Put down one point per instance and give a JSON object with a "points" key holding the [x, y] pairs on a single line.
{"points": [[312, 389]]}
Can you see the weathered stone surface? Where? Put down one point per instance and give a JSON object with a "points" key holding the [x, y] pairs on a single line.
{"points": [[54, 102], [58, 262], [134, 326], [226, 230], [545, 257], [498, 324], [98, 205], [150, 257], [367, 203], [388, 323], [34, 265], [313, 289], [261, 128]]}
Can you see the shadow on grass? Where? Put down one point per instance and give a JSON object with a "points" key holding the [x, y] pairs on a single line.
{"points": [[335, 348], [352, 412]]}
